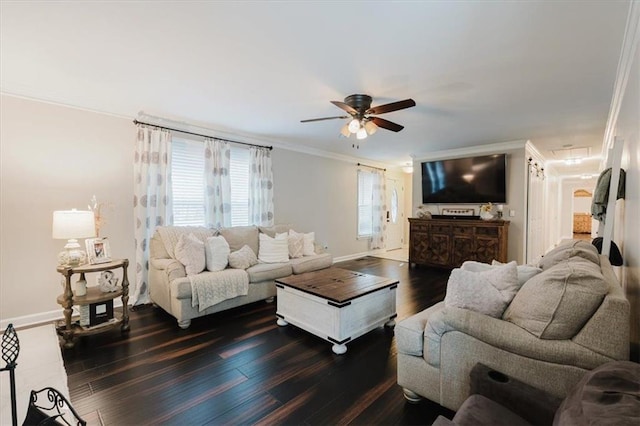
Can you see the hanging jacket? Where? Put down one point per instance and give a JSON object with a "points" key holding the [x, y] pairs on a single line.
{"points": [[601, 193]]}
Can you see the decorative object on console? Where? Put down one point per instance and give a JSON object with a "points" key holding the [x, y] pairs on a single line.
{"points": [[108, 282], [500, 208], [71, 225], [423, 213], [98, 250], [80, 288], [485, 211]]}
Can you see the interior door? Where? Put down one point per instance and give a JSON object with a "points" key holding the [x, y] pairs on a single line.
{"points": [[395, 214]]}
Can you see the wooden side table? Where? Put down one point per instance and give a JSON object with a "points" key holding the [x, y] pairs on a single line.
{"points": [[69, 330]]}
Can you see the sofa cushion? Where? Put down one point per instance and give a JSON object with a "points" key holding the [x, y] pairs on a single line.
{"points": [[268, 271], [273, 250], [243, 258], [216, 251], [238, 236], [190, 252], [410, 331], [556, 303], [311, 263], [488, 292], [565, 251]]}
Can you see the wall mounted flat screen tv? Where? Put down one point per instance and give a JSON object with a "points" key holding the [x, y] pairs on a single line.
{"points": [[465, 180]]}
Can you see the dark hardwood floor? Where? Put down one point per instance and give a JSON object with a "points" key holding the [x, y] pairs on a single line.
{"points": [[239, 367]]}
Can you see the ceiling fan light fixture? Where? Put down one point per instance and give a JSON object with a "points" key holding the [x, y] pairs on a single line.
{"points": [[354, 125], [370, 127], [362, 133], [345, 131]]}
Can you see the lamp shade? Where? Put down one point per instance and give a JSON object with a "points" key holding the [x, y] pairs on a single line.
{"points": [[73, 224]]}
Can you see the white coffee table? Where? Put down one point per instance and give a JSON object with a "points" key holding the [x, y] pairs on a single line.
{"points": [[336, 304]]}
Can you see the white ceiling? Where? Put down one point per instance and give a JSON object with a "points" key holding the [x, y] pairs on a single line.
{"points": [[480, 72]]}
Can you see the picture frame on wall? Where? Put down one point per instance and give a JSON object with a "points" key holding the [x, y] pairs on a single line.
{"points": [[98, 250]]}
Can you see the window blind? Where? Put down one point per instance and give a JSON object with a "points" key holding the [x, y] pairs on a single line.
{"points": [[187, 174]]}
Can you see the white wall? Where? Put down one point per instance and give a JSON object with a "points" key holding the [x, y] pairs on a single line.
{"points": [[318, 194], [56, 158], [516, 200], [627, 235], [582, 204]]}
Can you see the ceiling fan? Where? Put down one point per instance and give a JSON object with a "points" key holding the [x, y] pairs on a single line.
{"points": [[363, 122]]}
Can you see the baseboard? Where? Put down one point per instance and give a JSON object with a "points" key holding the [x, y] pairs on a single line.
{"points": [[357, 255], [41, 318]]}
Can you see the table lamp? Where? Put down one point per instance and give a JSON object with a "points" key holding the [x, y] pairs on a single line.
{"points": [[71, 225]]}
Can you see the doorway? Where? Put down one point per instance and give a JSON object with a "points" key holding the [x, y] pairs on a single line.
{"points": [[395, 214], [582, 222]]}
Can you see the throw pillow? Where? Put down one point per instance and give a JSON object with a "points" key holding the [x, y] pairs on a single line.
{"points": [[488, 292], [525, 272], [238, 236], [190, 252], [273, 250], [308, 241], [574, 248], [243, 258], [556, 303], [216, 251], [296, 244]]}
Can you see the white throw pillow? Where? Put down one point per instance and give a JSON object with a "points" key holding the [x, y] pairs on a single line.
{"points": [[525, 272], [309, 239], [243, 258], [296, 244], [273, 250], [216, 251], [190, 252], [488, 292]]}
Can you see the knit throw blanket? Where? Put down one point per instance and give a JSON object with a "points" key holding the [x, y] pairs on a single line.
{"points": [[209, 288]]}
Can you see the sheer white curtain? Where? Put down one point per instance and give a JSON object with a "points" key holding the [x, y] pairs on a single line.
{"points": [[378, 209], [152, 197], [217, 195], [260, 187]]}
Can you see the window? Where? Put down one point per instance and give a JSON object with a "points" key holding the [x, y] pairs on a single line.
{"points": [[365, 204], [187, 174]]}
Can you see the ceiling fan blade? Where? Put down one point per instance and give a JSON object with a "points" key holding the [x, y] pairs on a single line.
{"points": [[324, 118], [393, 106], [351, 110], [386, 124]]}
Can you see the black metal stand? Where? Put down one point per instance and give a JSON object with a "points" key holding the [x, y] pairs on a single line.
{"points": [[10, 351]]}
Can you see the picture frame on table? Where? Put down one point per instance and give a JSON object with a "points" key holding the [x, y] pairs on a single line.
{"points": [[98, 250]]}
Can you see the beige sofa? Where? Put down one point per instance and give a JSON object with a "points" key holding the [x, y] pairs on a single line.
{"points": [[170, 288], [440, 372]]}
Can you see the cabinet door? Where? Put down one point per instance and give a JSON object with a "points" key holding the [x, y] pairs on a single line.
{"points": [[439, 249], [487, 249], [419, 247], [463, 249]]}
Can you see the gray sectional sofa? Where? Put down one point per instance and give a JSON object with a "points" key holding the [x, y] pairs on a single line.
{"points": [[170, 287]]}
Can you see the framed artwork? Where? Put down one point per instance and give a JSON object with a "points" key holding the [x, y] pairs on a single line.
{"points": [[98, 250]]}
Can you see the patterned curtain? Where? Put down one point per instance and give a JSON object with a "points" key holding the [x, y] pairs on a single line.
{"points": [[217, 196], [151, 198], [260, 187], [378, 209]]}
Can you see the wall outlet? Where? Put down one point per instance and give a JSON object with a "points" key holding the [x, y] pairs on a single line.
{"points": [[512, 213]]}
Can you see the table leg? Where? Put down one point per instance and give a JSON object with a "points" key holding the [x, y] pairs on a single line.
{"points": [[67, 333], [339, 349], [124, 328]]}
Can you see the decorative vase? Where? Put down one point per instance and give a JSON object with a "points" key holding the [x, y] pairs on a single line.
{"points": [[486, 215]]}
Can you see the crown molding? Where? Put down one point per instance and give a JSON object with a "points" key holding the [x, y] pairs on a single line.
{"points": [[625, 63], [471, 150]]}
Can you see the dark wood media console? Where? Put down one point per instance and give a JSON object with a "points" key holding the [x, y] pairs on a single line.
{"points": [[446, 243]]}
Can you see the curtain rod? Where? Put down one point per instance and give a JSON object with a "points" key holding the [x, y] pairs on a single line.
{"points": [[199, 134], [372, 167]]}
